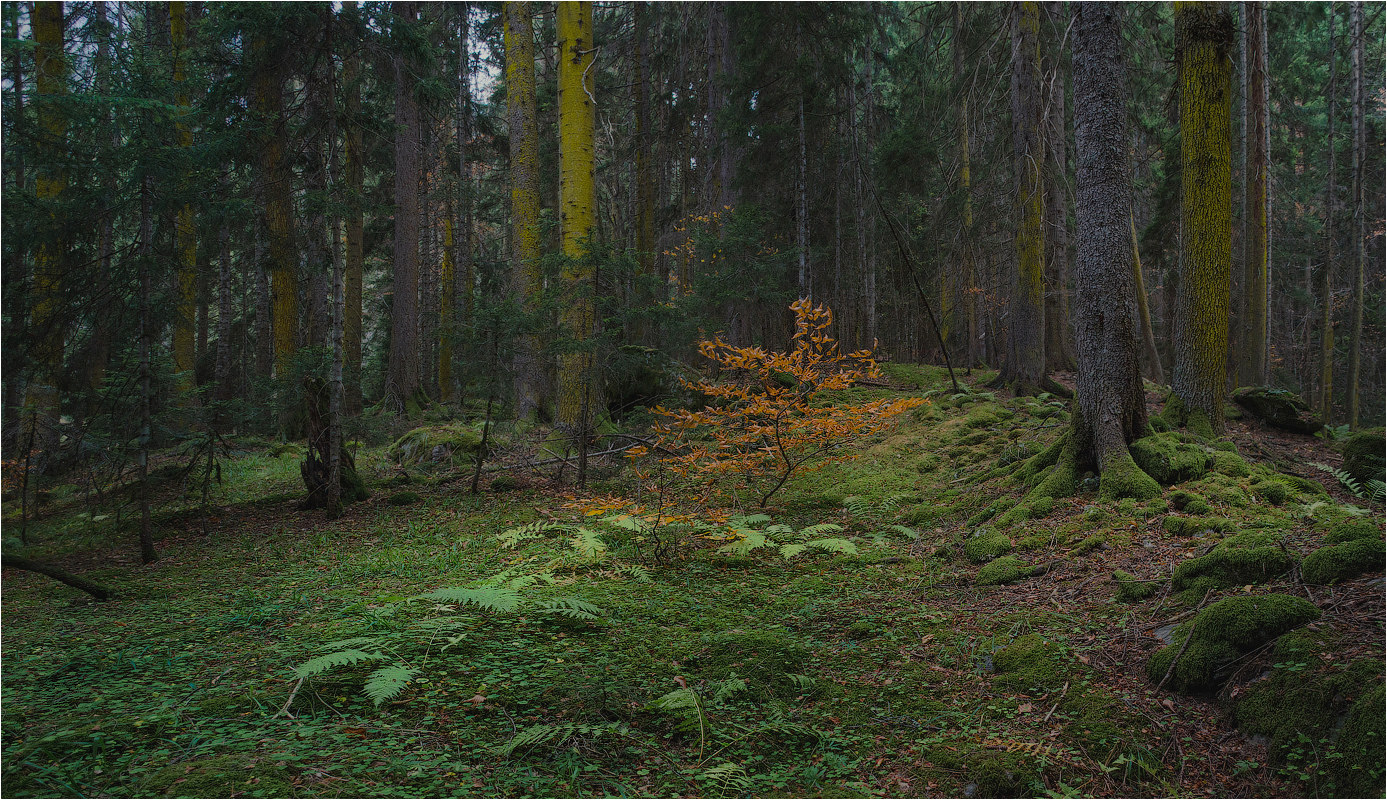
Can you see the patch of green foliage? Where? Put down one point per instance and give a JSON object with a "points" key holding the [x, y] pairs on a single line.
{"points": [[1222, 633]]}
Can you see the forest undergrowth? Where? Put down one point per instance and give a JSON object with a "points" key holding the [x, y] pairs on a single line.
{"points": [[523, 641]]}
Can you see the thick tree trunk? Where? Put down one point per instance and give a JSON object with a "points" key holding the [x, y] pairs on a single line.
{"points": [[355, 225], [1204, 40], [1326, 362], [1059, 353], [1355, 347], [526, 277], [185, 234], [1111, 404], [968, 279], [1252, 369], [276, 186], [402, 383]]}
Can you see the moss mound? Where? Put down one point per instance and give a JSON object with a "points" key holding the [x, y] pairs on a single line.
{"points": [[1007, 569], [1278, 408], [1359, 772], [1170, 458], [1230, 464], [222, 776], [1031, 664], [1247, 558], [1354, 530], [1132, 590], [456, 445], [403, 498], [1339, 562], [987, 544], [1222, 633], [1273, 491], [1364, 456]]}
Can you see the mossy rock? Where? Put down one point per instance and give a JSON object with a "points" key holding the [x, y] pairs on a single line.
{"points": [[1169, 459], [1132, 590], [1193, 526], [987, 544], [1278, 408], [1094, 542], [1031, 664], [1364, 457], [1237, 564], [504, 483], [1353, 531], [1339, 562], [1359, 772], [1272, 491], [1230, 464], [403, 499], [1188, 502], [764, 658], [456, 445], [1224, 632], [1007, 569], [282, 449], [220, 776]]}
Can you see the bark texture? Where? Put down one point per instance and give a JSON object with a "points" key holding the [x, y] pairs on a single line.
{"points": [[1253, 350], [526, 278], [402, 382]]}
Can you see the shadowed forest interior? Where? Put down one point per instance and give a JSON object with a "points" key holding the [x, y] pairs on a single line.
{"points": [[694, 399]]}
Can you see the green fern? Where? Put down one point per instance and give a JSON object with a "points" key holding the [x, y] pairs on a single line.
{"points": [[536, 735], [589, 544], [726, 778], [1372, 490], [750, 540], [387, 682], [635, 572], [488, 599], [572, 608], [341, 658], [818, 530], [728, 688], [909, 533], [512, 538], [833, 546], [749, 521]]}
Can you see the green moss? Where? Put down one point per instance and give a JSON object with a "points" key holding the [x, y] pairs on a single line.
{"points": [[1364, 456], [1121, 478], [1359, 772], [1131, 590], [1230, 464], [451, 444], [1109, 732], [221, 776], [1340, 562], [1230, 566], [987, 415], [926, 464], [1188, 502], [1091, 543], [1305, 485], [1222, 633], [1193, 526], [1007, 569], [1127, 507], [1227, 447], [1031, 664], [403, 498], [986, 544], [286, 449], [504, 483], [1274, 492], [765, 658], [1169, 460], [1354, 530], [1036, 541]]}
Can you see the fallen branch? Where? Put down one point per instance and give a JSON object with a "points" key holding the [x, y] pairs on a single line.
{"points": [[94, 589]]}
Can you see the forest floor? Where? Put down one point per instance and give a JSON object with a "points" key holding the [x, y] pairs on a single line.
{"points": [[559, 668]]}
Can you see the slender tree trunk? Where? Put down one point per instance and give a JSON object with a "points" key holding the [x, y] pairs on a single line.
{"points": [[148, 554], [1111, 404], [1360, 233], [276, 183], [805, 281], [578, 395], [464, 259], [1059, 354], [645, 179], [225, 388], [402, 382], [185, 232], [447, 310], [526, 277], [355, 224], [968, 281], [1253, 324], [1150, 356], [1025, 366], [1326, 396], [1204, 40]]}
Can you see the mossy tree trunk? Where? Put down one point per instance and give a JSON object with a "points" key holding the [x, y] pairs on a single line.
{"points": [[1024, 369], [1059, 352], [526, 277], [277, 186], [403, 387], [1111, 404], [1204, 41], [578, 393]]}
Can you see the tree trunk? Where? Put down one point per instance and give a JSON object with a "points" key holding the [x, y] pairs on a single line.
{"points": [[316, 468], [1024, 369], [1150, 356], [968, 280], [402, 382], [1059, 354], [1111, 404], [276, 185], [1326, 396], [1253, 323], [355, 225], [1204, 40], [526, 276], [1360, 233], [148, 554], [185, 234], [578, 395]]}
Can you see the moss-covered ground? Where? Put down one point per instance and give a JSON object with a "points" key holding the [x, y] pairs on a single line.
{"points": [[900, 670]]}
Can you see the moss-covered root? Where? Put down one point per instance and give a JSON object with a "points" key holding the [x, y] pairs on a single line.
{"points": [[1221, 634], [1120, 477], [1038, 463], [1062, 481], [1340, 562]]}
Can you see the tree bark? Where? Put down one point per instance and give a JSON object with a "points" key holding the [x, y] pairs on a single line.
{"points": [[1204, 41], [62, 576], [526, 277], [1326, 394], [1360, 233], [1059, 353], [1150, 356], [402, 382], [1253, 323], [355, 225], [185, 233], [276, 185]]}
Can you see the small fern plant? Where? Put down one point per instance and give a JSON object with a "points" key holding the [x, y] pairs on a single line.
{"points": [[788, 542], [1370, 490], [405, 648]]}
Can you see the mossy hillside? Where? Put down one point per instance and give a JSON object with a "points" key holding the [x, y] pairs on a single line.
{"points": [[1222, 633], [1359, 773], [1340, 562]]}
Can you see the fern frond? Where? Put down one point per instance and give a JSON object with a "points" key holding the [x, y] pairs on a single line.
{"points": [[321, 664], [589, 544], [677, 700], [728, 688], [835, 545], [728, 778], [572, 608], [749, 521], [347, 644], [514, 537], [818, 530], [801, 682], [907, 532], [546, 734], [387, 682], [750, 541], [488, 599], [635, 572], [625, 522], [779, 531], [788, 551]]}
